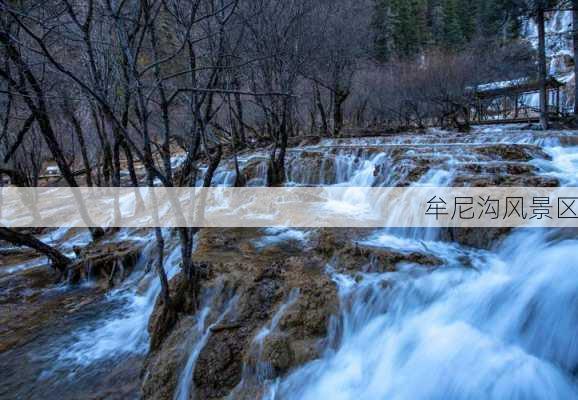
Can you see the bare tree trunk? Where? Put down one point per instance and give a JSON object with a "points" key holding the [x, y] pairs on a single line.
{"points": [[187, 236], [276, 170], [575, 38], [116, 160], [542, 68], [105, 144], [82, 143], [213, 165], [159, 266], [338, 100], [240, 117], [324, 125], [59, 260], [130, 163]]}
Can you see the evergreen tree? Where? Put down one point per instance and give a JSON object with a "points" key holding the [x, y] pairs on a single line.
{"points": [[405, 33], [453, 36], [490, 17], [405, 28], [466, 12], [381, 33]]}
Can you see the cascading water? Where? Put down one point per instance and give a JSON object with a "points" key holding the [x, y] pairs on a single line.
{"points": [[418, 334], [415, 334], [263, 369], [125, 330]]}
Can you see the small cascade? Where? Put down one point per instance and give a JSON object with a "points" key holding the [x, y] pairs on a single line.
{"points": [[199, 337], [413, 333], [416, 334], [125, 329], [563, 166], [261, 372], [281, 236], [263, 369]]}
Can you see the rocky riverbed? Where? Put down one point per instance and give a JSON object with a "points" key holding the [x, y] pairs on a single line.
{"points": [[319, 313]]}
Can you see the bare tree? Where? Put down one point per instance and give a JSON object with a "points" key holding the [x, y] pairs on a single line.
{"points": [[59, 260]]}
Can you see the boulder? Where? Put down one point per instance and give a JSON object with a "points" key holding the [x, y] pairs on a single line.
{"points": [[509, 152]]}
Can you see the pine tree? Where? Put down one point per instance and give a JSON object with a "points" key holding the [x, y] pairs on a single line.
{"points": [[490, 15], [404, 33], [453, 36], [466, 13], [381, 31], [405, 28]]}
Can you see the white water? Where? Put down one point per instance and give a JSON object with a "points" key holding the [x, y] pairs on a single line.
{"points": [[502, 330], [200, 336], [485, 325], [125, 331], [564, 165], [276, 236], [263, 368], [502, 327]]}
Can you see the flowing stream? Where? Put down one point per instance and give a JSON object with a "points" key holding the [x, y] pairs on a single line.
{"points": [[503, 328], [497, 323]]}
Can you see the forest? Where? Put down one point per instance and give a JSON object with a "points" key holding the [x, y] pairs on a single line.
{"points": [[83, 84]]}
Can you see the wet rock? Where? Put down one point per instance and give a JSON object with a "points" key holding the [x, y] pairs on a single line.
{"points": [[278, 354], [357, 257], [309, 316], [220, 364], [509, 152], [309, 141], [161, 323], [162, 368], [481, 238], [305, 350], [505, 180], [260, 289]]}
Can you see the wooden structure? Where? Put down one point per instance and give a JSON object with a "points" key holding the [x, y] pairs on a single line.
{"points": [[5, 180], [514, 101]]}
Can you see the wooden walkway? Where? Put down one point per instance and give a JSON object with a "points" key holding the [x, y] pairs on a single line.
{"points": [[520, 120]]}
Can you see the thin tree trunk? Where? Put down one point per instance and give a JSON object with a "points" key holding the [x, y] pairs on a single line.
{"points": [[575, 37], [83, 150], [338, 99], [324, 125], [241, 119], [540, 20], [213, 165], [159, 265], [59, 260], [106, 151]]}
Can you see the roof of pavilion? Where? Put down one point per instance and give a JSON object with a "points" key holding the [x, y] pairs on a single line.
{"points": [[513, 87]]}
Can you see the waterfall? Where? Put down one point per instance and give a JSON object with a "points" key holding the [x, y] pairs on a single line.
{"points": [[415, 334], [124, 330]]}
